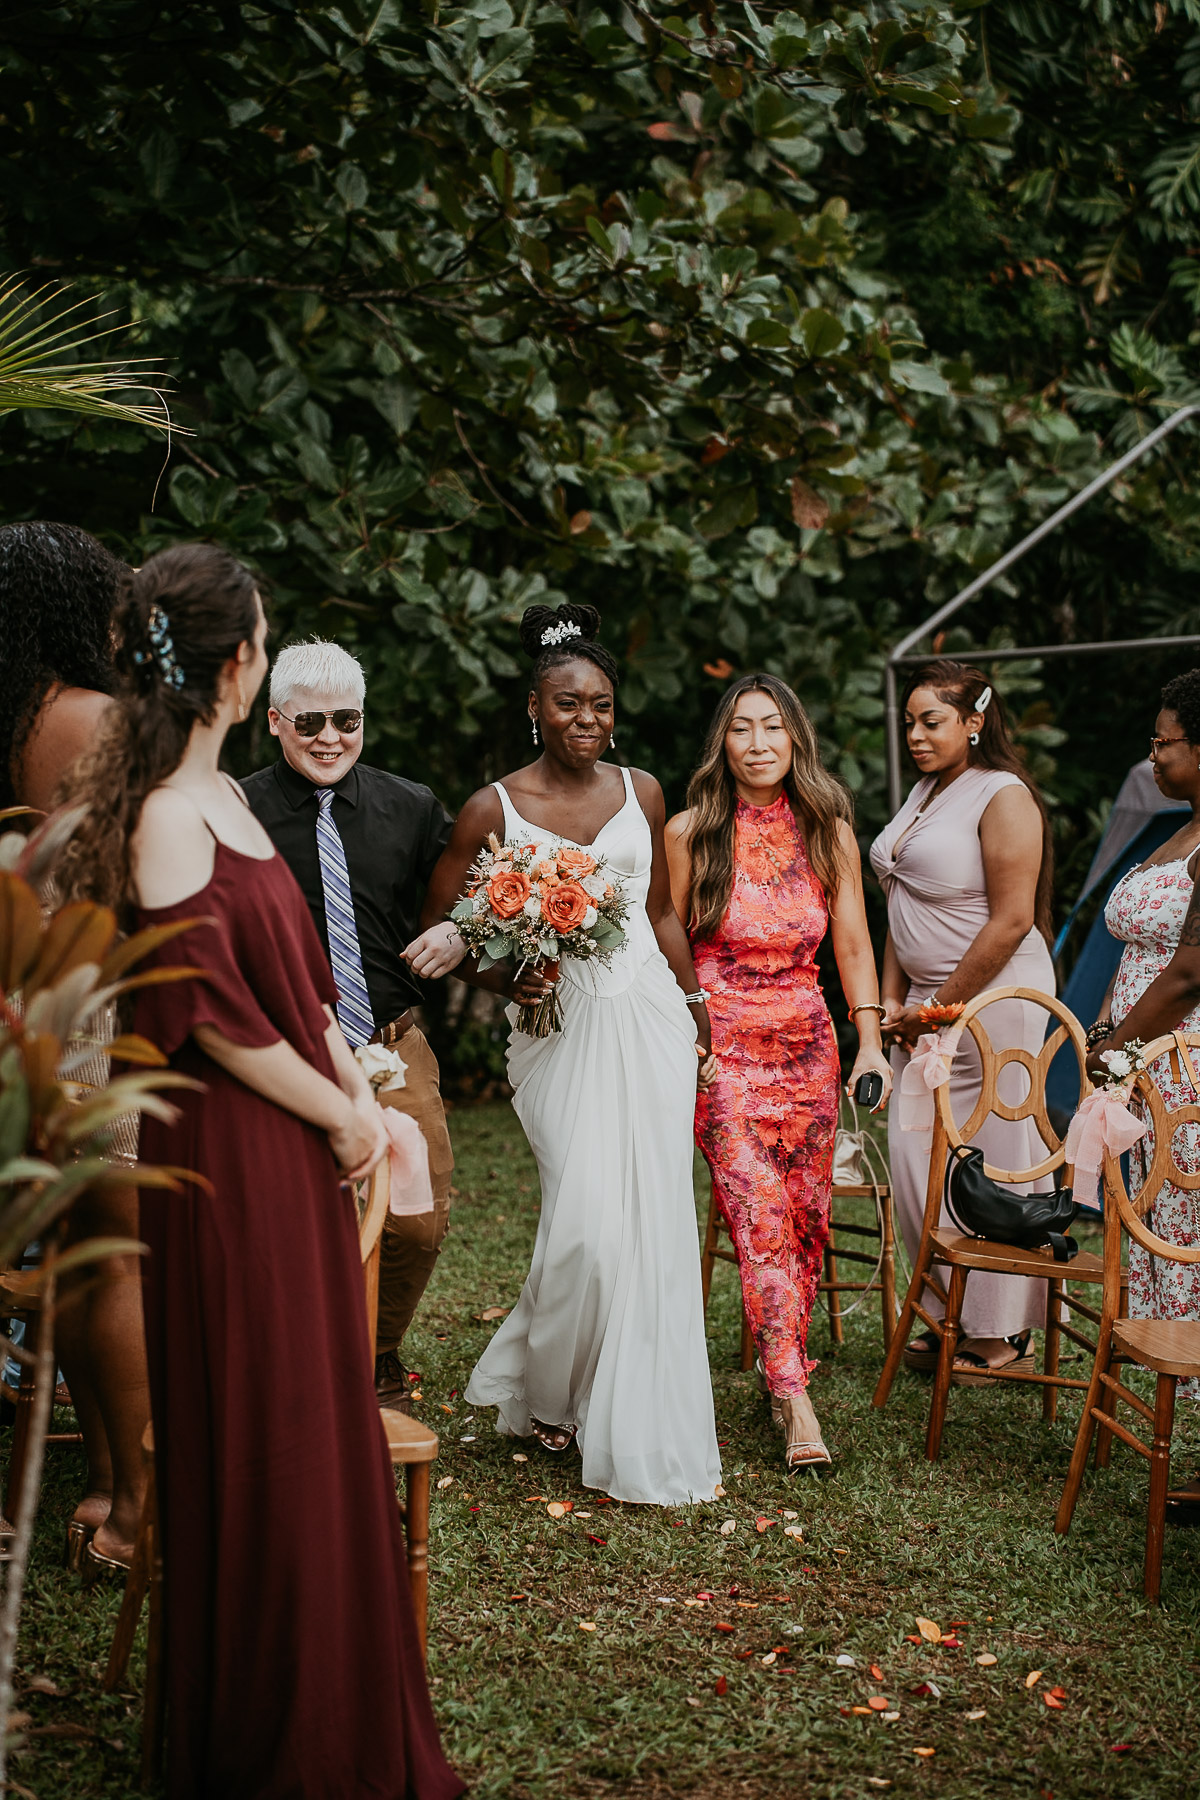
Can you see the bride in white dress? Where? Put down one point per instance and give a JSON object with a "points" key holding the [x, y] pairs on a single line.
{"points": [[606, 1344]]}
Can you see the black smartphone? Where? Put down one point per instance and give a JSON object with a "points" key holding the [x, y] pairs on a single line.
{"points": [[868, 1089]]}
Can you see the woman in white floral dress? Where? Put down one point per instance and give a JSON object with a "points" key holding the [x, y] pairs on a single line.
{"points": [[1155, 909]]}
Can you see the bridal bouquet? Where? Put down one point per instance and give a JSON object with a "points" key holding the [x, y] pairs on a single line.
{"points": [[536, 903]]}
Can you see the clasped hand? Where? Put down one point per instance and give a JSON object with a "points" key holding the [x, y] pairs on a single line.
{"points": [[902, 1025], [360, 1140], [436, 952]]}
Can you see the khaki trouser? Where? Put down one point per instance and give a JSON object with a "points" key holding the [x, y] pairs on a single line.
{"points": [[410, 1246]]}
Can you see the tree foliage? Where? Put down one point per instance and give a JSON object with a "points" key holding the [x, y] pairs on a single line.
{"points": [[762, 328]]}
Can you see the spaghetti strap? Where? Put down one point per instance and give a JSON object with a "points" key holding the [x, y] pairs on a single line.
{"points": [[195, 803]]}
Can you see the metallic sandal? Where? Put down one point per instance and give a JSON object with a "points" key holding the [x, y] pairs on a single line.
{"points": [[803, 1455], [547, 1434], [79, 1536], [96, 1564]]}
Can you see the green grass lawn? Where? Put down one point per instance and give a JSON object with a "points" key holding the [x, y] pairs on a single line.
{"points": [[662, 1697]]}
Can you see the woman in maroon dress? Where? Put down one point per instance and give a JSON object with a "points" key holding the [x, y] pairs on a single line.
{"points": [[293, 1670]]}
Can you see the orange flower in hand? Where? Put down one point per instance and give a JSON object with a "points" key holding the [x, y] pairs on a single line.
{"points": [[565, 907], [507, 893]]}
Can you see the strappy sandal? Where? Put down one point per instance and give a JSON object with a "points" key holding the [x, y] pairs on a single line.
{"points": [[95, 1564], [922, 1353], [79, 1536], [972, 1370], [802, 1455], [557, 1439]]}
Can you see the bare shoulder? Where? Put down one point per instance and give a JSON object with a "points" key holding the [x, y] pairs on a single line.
{"points": [[680, 826], [650, 795], [172, 851], [847, 844], [483, 809], [1013, 806]]}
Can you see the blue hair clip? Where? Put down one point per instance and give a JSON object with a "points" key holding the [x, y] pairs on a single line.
{"points": [[162, 651]]}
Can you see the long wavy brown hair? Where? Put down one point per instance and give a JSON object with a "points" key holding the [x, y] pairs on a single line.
{"points": [[817, 798], [207, 600], [960, 685]]}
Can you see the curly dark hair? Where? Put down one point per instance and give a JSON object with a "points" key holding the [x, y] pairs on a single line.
{"points": [[582, 624], [1182, 697], [58, 590]]}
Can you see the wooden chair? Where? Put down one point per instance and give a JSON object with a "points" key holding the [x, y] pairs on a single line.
{"points": [[943, 1247], [19, 1299], [1169, 1347], [411, 1446], [718, 1246]]}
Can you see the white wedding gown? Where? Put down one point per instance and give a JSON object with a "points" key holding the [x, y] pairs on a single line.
{"points": [[608, 1334]]}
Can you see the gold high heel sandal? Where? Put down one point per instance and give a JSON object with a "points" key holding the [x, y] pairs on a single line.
{"points": [[96, 1564], [803, 1454], [79, 1536]]}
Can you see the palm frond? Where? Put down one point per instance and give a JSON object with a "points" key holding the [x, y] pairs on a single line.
{"points": [[37, 369]]}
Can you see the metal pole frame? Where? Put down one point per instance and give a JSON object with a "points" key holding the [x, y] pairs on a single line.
{"points": [[901, 653]]}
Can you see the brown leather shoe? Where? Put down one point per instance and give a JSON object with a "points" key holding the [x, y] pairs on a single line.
{"points": [[391, 1383]]}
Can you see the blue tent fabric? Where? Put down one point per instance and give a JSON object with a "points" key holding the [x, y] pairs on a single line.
{"points": [[1097, 961]]}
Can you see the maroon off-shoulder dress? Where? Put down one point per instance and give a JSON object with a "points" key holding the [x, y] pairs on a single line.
{"points": [[293, 1670]]}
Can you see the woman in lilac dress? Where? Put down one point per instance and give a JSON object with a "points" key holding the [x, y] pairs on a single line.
{"points": [[966, 866]]}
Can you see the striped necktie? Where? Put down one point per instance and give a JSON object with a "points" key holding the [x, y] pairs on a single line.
{"points": [[354, 1004]]}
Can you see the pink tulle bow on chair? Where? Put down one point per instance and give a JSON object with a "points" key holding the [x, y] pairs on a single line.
{"points": [[1103, 1123], [928, 1067], [410, 1189]]}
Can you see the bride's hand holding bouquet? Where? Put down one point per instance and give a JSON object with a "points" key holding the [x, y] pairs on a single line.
{"points": [[532, 904]]}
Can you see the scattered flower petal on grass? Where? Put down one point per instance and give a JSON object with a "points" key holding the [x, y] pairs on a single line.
{"points": [[951, 1643], [728, 1528], [445, 1482], [580, 1515], [985, 1660], [889, 1718], [718, 1492], [928, 1690], [492, 1312], [593, 1539], [844, 1662], [558, 1509], [877, 1702], [864, 1710], [768, 1659], [979, 1712], [930, 1631], [519, 1456], [924, 1749], [794, 1532], [1060, 1693], [722, 1625], [1052, 1700], [876, 1672], [587, 1624], [877, 1781], [1118, 1749], [1033, 1677], [765, 1524], [788, 1514], [692, 1701], [722, 1685]]}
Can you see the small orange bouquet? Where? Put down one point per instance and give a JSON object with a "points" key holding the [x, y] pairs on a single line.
{"points": [[936, 1013], [536, 903]]}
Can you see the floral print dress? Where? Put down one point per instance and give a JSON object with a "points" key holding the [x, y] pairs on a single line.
{"points": [[766, 1125], [1147, 910]]}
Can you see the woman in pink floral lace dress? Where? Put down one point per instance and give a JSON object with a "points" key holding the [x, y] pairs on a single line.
{"points": [[1155, 909], [761, 862]]}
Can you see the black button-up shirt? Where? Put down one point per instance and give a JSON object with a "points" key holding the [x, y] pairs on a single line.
{"points": [[393, 832]]}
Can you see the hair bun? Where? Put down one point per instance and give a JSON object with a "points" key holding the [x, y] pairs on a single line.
{"points": [[579, 621]]}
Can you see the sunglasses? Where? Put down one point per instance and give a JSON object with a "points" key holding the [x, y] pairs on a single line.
{"points": [[347, 719]]}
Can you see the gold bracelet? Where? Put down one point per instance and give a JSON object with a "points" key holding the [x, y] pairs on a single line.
{"points": [[868, 1006]]}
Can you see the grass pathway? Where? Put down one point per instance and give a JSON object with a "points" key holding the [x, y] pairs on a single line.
{"points": [[624, 1651]]}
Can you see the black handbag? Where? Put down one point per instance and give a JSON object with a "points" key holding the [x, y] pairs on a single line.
{"points": [[981, 1207]]}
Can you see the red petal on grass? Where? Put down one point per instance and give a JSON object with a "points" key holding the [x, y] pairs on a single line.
{"points": [[765, 1524], [722, 1625], [593, 1539], [704, 1594], [518, 1596], [912, 1640], [722, 1686], [951, 1643], [876, 1672], [959, 1624], [1054, 1701], [734, 1591], [1118, 1749], [1059, 1693], [743, 1654]]}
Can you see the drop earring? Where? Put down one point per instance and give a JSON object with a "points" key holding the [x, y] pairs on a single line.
{"points": [[533, 728], [241, 702], [973, 737]]}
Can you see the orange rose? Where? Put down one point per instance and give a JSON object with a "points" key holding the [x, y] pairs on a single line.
{"points": [[576, 862], [544, 868], [566, 907], [507, 893]]}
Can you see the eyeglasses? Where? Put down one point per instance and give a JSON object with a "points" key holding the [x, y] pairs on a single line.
{"points": [[1157, 743], [347, 719]]}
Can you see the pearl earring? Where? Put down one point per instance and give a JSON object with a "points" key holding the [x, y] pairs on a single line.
{"points": [[533, 728]]}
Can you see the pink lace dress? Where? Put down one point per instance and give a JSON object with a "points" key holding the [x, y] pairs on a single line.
{"points": [[1146, 910], [766, 1126]]}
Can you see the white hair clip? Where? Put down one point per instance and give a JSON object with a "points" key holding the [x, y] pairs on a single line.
{"points": [[556, 634], [981, 705]]}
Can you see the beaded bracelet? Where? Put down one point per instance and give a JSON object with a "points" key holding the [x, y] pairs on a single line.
{"points": [[1096, 1034]]}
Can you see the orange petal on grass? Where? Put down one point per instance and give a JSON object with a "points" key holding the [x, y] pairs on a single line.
{"points": [[876, 1672], [722, 1625], [877, 1702], [985, 1660], [1033, 1677], [558, 1509], [1053, 1700], [930, 1631], [924, 1749], [765, 1524], [587, 1625]]}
